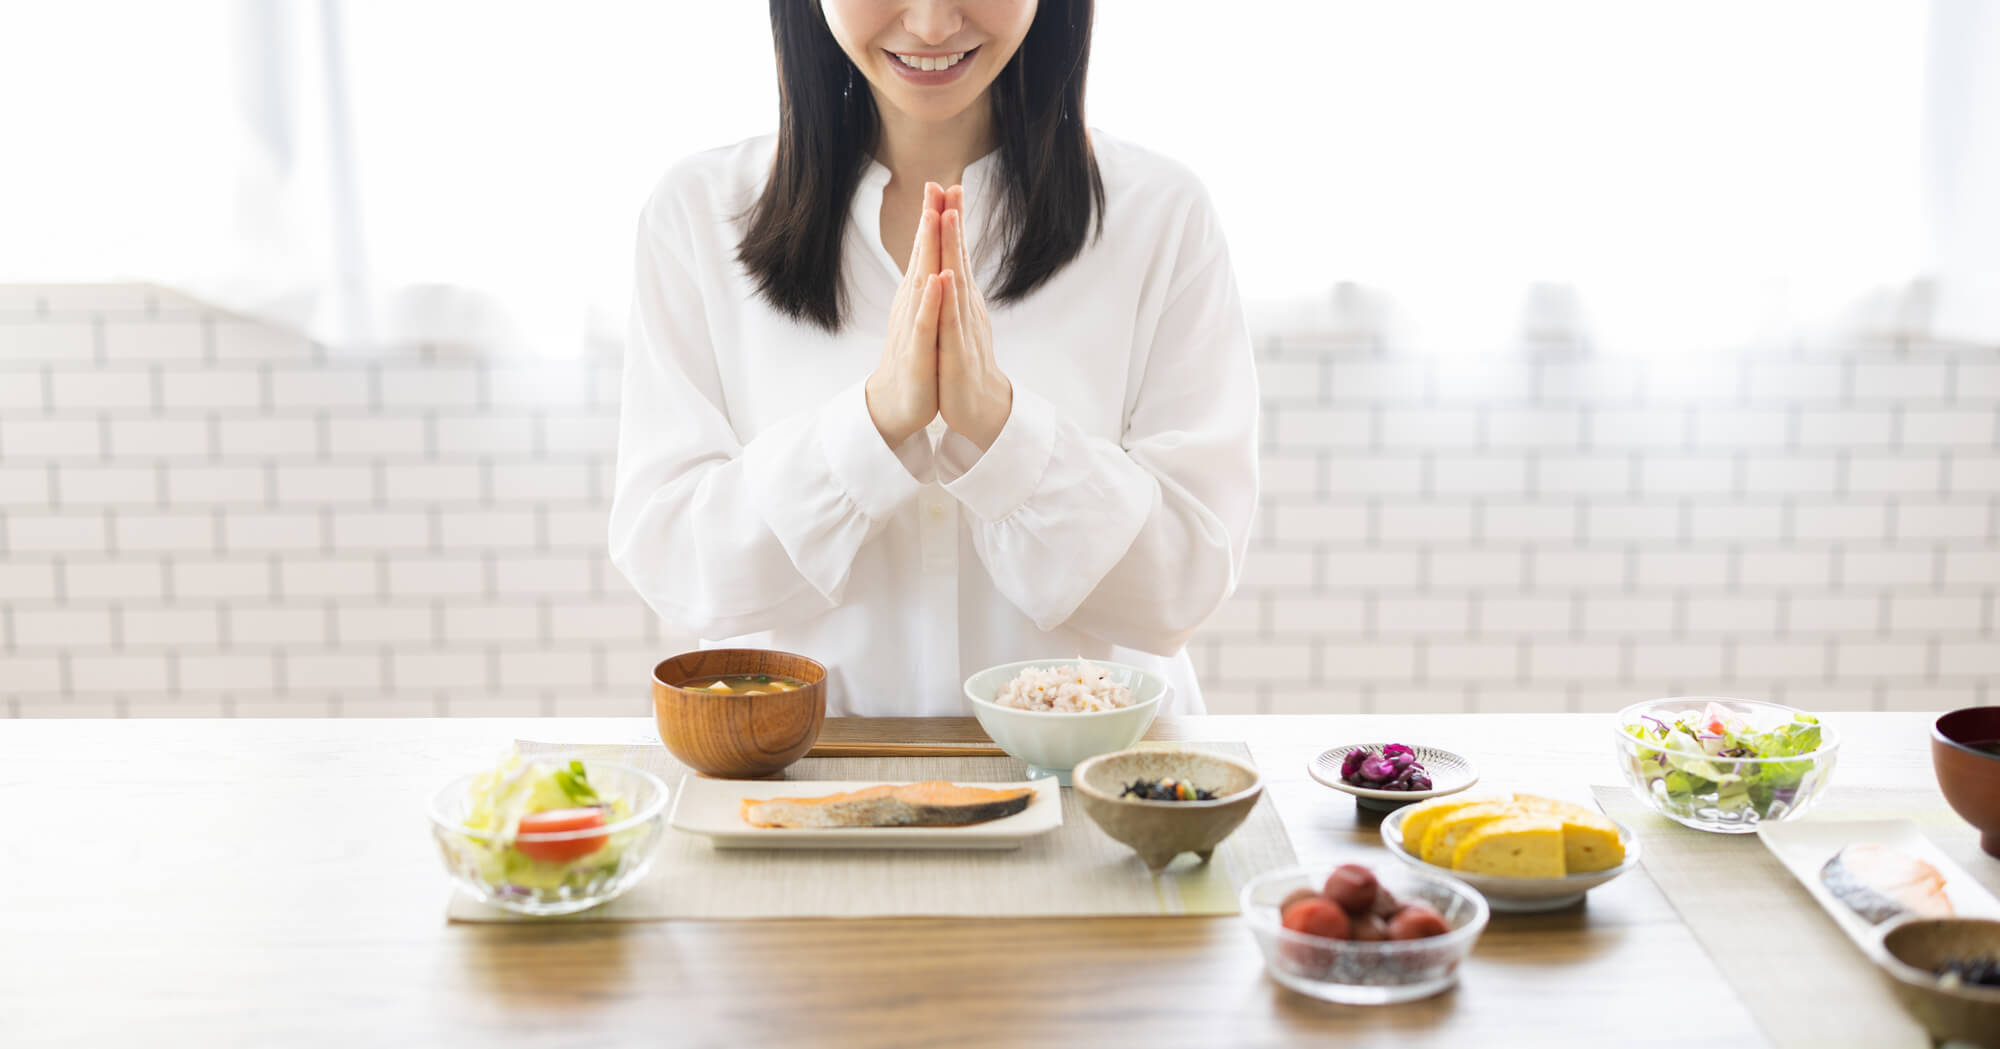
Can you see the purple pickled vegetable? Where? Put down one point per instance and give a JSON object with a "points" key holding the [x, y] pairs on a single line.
{"points": [[1394, 767]]}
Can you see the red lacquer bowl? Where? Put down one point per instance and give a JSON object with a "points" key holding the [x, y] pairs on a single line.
{"points": [[1968, 775]]}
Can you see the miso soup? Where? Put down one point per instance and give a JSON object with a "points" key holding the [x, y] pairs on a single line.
{"points": [[744, 684]]}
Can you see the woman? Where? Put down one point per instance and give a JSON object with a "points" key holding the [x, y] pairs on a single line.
{"points": [[1028, 433]]}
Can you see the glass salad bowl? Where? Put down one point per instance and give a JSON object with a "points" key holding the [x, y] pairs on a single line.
{"points": [[1725, 765], [591, 854]]}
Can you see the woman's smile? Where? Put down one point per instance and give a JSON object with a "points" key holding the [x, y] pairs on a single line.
{"points": [[930, 67]]}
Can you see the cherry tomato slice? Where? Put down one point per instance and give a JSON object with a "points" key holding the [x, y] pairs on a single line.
{"points": [[556, 821]]}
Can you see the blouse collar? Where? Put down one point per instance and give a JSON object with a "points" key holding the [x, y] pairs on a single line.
{"points": [[867, 209]]}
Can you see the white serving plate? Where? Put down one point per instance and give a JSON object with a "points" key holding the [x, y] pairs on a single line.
{"points": [[1516, 895], [712, 808], [1449, 774], [1806, 846]]}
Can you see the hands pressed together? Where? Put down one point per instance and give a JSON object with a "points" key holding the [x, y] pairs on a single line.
{"points": [[938, 358]]}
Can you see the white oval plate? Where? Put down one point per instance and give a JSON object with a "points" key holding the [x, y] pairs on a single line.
{"points": [[713, 808], [1516, 895], [1449, 774]]}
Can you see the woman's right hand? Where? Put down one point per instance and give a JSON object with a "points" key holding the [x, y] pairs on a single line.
{"points": [[902, 391]]}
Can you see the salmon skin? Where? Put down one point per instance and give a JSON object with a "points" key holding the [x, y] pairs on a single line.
{"points": [[1880, 883], [932, 804]]}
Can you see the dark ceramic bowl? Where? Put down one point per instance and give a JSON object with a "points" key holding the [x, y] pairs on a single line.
{"points": [[1968, 775]]}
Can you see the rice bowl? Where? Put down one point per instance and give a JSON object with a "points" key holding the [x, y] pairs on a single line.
{"points": [[1052, 742]]}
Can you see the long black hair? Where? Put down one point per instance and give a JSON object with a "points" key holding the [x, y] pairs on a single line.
{"points": [[1049, 188]]}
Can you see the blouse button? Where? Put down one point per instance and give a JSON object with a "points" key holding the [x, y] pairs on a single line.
{"points": [[937, 511]]}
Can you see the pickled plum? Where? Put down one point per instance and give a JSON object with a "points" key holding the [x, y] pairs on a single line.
{"points": [[1416, 921], [1368, 928], [1352, 886], [1353, 905], [1317, 917]]}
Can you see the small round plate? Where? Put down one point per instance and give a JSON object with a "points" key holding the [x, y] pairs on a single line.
{"points": [[1449, 774]]}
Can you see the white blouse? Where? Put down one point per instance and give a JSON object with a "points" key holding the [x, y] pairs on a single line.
{"points": [[757, 506]]}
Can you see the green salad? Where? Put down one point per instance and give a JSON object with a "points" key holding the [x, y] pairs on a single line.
{"points": [[1704, 760], [534, 799]]}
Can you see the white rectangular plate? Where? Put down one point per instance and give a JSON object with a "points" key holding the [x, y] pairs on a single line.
{"points": [[713, 808], [1805, 847]]}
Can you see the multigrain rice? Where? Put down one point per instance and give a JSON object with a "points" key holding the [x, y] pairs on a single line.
{"points": [[1075, 689]]}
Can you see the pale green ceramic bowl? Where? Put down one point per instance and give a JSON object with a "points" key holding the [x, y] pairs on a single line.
{"points": [[1054, 743]]}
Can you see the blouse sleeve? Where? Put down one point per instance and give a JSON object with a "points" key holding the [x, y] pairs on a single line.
{"points": [[722, 536], [1136, 541]]}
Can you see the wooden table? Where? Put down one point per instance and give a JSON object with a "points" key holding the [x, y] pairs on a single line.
{"points": [[273, 883]]}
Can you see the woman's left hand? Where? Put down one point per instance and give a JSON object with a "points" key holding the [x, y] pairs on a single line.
{"points": [[974, 397]]}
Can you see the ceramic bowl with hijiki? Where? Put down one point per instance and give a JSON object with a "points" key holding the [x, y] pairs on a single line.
{"points": [[1127, 794]]}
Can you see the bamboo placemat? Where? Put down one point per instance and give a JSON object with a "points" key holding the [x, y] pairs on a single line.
{"points": [[1804, 981], [1075, 870]]}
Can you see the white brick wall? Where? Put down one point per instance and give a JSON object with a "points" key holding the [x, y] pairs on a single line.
{"points": [[204, 516], [1573, 533]]}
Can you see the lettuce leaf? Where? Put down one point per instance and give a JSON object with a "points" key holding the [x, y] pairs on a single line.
{"points": [[1800, 736], [1689, 759], [1687, 753]]}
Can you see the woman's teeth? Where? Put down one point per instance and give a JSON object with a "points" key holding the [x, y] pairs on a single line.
{"points": [[945, 62]]}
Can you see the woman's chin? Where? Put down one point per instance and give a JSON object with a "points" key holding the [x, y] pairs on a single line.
{"points": [[934, 106]]}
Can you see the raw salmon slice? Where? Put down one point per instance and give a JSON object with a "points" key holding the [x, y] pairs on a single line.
{"points": [[932, 804]]}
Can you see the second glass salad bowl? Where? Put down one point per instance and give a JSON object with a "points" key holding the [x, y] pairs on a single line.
{"points": [[1725, 765]]}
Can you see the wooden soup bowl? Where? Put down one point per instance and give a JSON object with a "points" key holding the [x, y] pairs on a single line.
{"points": [[738, 737]]}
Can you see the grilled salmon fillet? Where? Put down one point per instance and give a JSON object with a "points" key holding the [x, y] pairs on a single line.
{"points": [[932, 804], [1880, 883]]}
